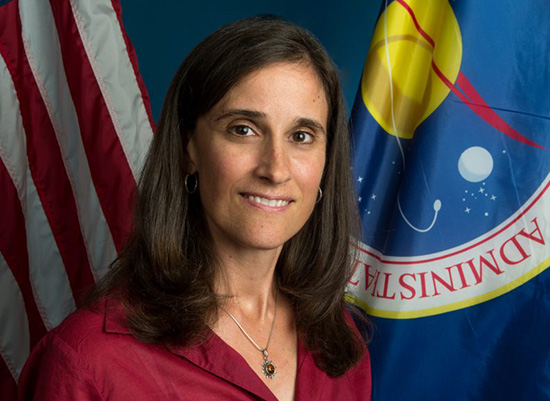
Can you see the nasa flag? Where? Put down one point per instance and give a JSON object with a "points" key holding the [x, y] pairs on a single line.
{"points": [[451, 129]]}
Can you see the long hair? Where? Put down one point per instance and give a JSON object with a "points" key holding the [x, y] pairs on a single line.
{"points": [[165, 274]]}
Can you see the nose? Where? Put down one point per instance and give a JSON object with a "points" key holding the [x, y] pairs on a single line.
{"points": [[274, 163]]}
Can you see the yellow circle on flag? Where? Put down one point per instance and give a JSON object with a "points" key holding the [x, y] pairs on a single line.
{"points": [[401, 97]]}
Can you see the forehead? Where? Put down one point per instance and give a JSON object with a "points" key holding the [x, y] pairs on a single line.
{"points": [[276, 87]]}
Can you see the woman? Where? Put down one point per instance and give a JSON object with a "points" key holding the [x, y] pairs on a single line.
{"points": [[232, 283]]}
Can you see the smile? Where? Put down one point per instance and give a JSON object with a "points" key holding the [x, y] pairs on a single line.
{"points": [[267, 202]]}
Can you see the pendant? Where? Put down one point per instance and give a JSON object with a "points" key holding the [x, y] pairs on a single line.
{"points": [[268, 368]]}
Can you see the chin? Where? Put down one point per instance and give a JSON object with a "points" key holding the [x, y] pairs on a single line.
{"points": [[267, 245], [265, 241]]}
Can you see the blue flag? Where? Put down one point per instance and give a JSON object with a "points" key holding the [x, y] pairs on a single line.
{"points": [[451, 129]]}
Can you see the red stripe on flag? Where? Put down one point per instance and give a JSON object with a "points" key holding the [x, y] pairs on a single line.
{"points": [[13, 246], [8, 387], [134, 61], [113, 179], [44, 156]]}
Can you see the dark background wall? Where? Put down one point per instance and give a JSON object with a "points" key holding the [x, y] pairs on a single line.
{"points": [[164, 31]]}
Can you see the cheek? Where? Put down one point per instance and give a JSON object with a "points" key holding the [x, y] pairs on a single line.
{"points": [[312, 167], [309, 173], [211, 160], [218, 171]]}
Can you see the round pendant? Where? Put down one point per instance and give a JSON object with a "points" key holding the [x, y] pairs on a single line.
{"points": [[269, 369]]}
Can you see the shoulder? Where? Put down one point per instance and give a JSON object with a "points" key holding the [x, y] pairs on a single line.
{"points": [[86, 332], [315, 384], [79, 328], [56, 368], [359, 377], [70, 362]]}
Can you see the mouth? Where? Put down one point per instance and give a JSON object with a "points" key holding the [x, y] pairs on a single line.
{"points": [[269, 202]]}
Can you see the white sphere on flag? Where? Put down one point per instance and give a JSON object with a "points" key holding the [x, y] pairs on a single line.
{"points": [[475, 164]]}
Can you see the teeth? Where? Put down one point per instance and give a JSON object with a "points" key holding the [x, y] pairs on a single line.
{"points": [[268, 202]]}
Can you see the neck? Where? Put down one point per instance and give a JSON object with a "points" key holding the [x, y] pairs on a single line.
{"points": [[248, 279]]}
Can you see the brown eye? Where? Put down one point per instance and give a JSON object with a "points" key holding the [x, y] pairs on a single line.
{"points": [[302, 137], [242, 130]]}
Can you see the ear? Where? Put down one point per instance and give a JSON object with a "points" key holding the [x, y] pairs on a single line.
{"points": [[192, 158]]}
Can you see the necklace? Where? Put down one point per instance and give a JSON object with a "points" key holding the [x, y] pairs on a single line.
{"points": [[268, 367]]}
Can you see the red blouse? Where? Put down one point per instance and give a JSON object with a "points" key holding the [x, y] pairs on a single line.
{"points": [[93, 356]]}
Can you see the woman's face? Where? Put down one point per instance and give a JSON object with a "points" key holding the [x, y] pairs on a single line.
{"points": [[260, 155]]}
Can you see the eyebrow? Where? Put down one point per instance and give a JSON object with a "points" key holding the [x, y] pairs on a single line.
{"points": [[241, 113], [308, 122]]}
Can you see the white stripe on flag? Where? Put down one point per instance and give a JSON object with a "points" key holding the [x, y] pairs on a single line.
{"points": [[111, 64], [47, 272], [49, 279], [14, 324], [44, 54]]}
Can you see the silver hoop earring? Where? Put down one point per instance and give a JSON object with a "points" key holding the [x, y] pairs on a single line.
{"points": [[320, 195], [195, 186]]}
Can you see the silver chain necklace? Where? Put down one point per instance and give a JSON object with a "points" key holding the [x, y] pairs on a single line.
{"points": [[268, 367]]}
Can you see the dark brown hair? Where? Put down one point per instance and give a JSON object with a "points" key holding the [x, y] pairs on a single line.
{"points": [[165, 274]]}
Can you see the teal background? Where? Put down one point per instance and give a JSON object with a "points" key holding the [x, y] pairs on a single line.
{"points": [[164, 31]]}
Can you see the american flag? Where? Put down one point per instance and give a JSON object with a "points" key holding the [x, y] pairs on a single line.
{"points": [[75, 125]]}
